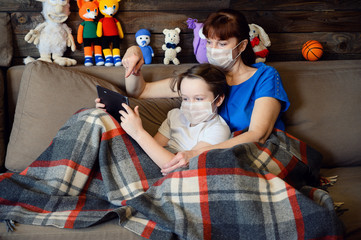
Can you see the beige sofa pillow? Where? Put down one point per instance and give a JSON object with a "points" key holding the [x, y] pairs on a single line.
{"points": [[49, 94], [325, 108], [6, 42]]}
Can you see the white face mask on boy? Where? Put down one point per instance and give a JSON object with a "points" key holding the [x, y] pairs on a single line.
{"points": [[222, 57], [197, 112]]}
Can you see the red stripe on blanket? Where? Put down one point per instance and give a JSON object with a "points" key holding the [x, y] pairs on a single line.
{"points": [[203, 196], [136, 162], [61, 162], [290, 166], [212, 172], [113, 133], [81, 203], [74, 213], [300, 226], [312, 193], [234, 171], [23, 205], [303, 151], [24, 172], [5, 175], [283, 170], [148, 229]]}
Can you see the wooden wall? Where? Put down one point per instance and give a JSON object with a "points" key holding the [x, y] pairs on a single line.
{"points": [[336, 24]]}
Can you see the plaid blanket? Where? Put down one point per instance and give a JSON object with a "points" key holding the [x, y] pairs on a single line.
{"points": [[93, 171]]}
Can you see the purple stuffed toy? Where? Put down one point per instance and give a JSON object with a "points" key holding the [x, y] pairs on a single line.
{"points": [[199, 40]]}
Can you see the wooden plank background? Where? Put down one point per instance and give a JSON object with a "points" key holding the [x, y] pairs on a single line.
{"points": [[336, 24]]}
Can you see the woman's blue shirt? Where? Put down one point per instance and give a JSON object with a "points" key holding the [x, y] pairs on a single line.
{"points": [[238, 105]]}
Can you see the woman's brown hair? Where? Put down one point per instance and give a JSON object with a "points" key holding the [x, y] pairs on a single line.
{"points": [[227, 23]]}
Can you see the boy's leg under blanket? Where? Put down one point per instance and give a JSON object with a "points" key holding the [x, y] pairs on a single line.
{"points": [[91, 161]]}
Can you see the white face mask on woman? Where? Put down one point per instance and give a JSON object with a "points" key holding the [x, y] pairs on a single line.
{"points": [[222, 57], [197, 112]]}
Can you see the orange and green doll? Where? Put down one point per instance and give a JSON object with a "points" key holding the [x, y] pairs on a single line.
{"points": [[110, 31], [88, 11]]}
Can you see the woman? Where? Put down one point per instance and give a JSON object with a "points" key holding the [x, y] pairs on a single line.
{"points": [[256, 96]]}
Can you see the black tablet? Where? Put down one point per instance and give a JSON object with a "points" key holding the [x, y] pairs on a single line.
{"points": [[112, 100]]}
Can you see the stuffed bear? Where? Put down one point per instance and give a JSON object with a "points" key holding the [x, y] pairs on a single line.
{"points": [[142, 38], [199, 40], [53, 36], [170, 47], [259, 41]]}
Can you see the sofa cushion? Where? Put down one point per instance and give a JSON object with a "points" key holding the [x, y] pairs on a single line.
{"points": [[325, 107], [6, 42], [107, 230], [347, 190], [49, 94]]}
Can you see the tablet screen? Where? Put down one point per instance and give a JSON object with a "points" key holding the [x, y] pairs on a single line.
{"points": [[112, 100]]}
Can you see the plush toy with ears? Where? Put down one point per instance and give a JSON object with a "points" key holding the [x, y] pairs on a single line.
{"points": [[259, 41], [199, 40], [110, 30], [53, 36], [170, 47], [87, 33], [143, 39]]}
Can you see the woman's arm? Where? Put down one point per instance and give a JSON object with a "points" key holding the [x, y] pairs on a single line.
{"points": [[263, 119], [135, 84], [132, 125], [138, 88], [133, 61]]}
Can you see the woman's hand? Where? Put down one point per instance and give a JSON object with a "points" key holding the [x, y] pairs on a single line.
{"points": [[181, 159], [133, 61], [99, 105], [131, 122]]}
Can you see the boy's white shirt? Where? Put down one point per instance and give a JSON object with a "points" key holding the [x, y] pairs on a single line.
{"points": [[182, 137]]}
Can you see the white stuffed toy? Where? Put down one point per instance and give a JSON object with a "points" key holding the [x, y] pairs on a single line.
{"points": [[53, 36], [259, 41], [170, 47]]}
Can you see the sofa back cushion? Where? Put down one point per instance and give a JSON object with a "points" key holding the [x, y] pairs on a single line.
{"points": [[325, 109], [49, 94], [325, 105]]}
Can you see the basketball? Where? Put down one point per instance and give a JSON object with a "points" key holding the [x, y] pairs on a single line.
{"points": [[312, 50]]}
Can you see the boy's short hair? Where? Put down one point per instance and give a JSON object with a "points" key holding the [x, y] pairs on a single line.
{"points": [[212, 75]]}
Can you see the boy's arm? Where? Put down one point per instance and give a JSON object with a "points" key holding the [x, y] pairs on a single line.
{"points": [[155, 151], [132, 124]]}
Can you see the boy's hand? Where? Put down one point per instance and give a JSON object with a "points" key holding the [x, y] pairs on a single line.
{"points": [[131, 122], [98, 104]]}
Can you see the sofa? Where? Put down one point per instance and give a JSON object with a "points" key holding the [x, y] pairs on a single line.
{"points": [[324, 112]]}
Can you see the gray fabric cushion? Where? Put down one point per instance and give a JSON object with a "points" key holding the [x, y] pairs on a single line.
{"points": [[6, 40], [325, 107]]}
